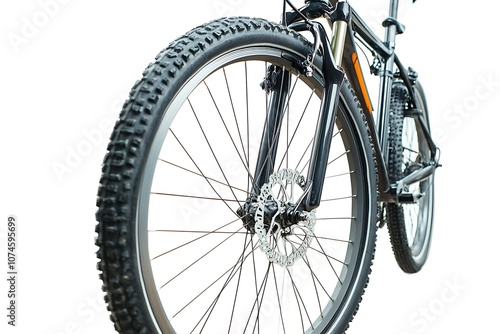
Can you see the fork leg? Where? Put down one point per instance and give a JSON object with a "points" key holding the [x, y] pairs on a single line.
{"points": [[279, 91], [334, 78]]}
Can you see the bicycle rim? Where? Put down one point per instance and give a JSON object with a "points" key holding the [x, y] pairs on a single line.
{"points": [[419, 216], [202, 270]]}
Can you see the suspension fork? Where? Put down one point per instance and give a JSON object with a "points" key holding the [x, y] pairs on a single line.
{"points": [[333, 80], [277, 83]]}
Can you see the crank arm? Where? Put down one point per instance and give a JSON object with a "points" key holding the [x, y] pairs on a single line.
{"points": [[401, 196], [415, 176]]}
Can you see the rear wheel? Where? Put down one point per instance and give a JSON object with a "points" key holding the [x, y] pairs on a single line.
{"points": [[183, 248], [410, 225]]}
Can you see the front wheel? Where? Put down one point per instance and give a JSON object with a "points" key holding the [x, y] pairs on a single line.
{"points": [[180, 249], [410, 225]]}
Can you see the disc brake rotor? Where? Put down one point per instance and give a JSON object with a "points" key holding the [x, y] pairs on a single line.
{"points": [[282, 240]]}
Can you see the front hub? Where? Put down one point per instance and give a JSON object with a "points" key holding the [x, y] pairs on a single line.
{"points": [[284, 232]]}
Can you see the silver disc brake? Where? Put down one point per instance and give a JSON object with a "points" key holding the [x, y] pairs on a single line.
{"points": [[283, 242]]}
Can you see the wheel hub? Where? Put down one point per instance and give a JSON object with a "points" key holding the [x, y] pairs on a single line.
{"points": [[284, 232]]}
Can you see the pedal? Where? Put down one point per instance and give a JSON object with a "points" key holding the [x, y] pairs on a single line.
{"points": [[409, 198]]}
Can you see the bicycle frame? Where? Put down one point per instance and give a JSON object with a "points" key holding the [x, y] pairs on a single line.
{"points": [[340, 58], [386, 51]]}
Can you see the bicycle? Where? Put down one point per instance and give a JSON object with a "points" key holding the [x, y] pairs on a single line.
{"points": [[246, 177]]}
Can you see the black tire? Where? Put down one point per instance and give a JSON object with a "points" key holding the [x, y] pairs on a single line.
{"points": [[409, 225], [153, 191]]}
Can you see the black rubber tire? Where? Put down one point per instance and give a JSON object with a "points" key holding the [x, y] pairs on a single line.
{"points": [[410, 236], [134, 306]]}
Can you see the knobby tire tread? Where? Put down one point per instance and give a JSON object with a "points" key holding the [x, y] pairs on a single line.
{"points": [[395, 212], [128, 144]]}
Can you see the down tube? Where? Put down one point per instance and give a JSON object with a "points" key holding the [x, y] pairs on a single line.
{"points": [[354, 74]]}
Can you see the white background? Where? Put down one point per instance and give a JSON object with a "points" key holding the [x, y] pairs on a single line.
{"points": [[63, 82]]}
